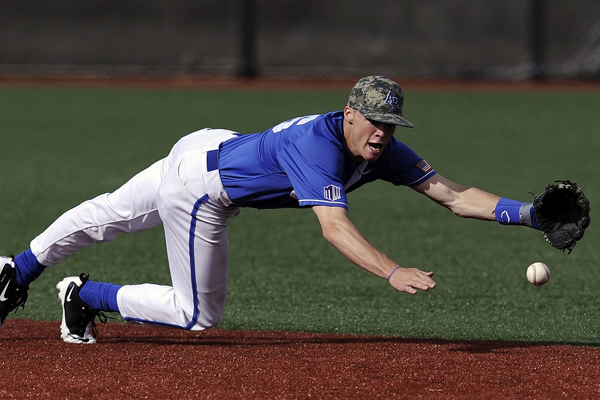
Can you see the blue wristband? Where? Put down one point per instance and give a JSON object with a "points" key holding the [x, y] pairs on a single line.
{"points": [[507, 211], [513, 212]]}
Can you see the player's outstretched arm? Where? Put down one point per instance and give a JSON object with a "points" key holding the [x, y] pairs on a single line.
{"points": [[464, 201], [349, 241], [562, 217]]}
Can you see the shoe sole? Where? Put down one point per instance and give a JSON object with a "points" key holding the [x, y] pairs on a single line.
{"points": [[65, 334]]}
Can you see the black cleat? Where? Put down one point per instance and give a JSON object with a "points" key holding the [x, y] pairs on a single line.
{"points": [[78, 325], [12, 295]]}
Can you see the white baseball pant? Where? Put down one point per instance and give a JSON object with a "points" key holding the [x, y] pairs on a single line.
{"points": [[185, 194]]}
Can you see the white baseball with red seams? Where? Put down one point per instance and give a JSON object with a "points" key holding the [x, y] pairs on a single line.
{"points": [[538, 273]]}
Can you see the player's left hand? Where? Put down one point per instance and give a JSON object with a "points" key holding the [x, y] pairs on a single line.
{"points": [[563, 214], [410, 279]]}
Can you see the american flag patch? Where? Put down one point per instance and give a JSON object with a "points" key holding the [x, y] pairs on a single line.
{"points": [[424, 166]]}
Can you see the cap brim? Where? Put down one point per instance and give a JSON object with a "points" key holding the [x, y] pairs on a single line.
{"points": [[390, 119]]}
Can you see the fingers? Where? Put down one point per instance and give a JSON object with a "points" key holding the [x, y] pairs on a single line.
{"points": [[410, 279]]}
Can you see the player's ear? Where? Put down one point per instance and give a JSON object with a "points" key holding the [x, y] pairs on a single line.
{"points": [[349, 114]]}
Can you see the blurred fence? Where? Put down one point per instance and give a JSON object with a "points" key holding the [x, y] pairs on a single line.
{"points": [[500, 39]]}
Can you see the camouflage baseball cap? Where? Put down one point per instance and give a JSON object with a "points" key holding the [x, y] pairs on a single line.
{"points": [[380, 99]]}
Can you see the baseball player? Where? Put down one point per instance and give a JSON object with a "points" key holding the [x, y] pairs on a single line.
{"points": [[310, 162]]}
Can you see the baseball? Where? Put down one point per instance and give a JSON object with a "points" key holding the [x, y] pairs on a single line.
{"points": [[538, 273]]}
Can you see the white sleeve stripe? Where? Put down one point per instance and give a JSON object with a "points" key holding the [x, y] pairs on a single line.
{"points": [[421, 179], [311, 201]]}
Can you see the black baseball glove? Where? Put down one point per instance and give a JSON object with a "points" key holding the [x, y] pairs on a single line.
{"points": [[563, 214]]}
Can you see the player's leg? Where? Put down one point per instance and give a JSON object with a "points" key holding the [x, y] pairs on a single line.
{"points": [[197, 245], [199, 264], [198, 251], [130, 208]]}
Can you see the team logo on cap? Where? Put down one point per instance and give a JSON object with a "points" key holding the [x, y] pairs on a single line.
{"points": [[393, 101]]}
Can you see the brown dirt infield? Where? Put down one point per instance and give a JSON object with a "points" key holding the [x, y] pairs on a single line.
{"points": [[138, 362]]}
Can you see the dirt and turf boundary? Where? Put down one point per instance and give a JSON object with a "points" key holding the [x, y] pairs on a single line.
{"points": [[140, 362]]}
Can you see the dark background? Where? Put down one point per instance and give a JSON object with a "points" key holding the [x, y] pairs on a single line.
{"points": [[492, 39]]}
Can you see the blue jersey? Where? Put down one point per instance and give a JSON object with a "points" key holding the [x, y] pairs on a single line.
{"points": [[306, 162]]}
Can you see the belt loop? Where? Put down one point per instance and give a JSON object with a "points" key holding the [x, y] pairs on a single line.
{"points": [[212, 160]]}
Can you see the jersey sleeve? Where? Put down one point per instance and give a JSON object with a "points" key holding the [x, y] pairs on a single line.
{"points": [[314, 165], [406, 167]]}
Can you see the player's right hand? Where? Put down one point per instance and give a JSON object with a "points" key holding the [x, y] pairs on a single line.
{"points": [[410, 279]]}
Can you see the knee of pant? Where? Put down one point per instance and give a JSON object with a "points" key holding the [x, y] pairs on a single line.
{"points": [[205, 315], [211, 322], [209, 315], [202, 324]]}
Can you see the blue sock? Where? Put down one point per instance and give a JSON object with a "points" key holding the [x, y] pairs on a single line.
{"points": [[100, 296], [28, 268]]}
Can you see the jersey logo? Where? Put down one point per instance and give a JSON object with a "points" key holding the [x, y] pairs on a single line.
{"points": [[332, 192], [424, 166], [392, 101]]}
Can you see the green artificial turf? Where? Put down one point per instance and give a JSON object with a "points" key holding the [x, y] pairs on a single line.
{"points": [[61, 146]]}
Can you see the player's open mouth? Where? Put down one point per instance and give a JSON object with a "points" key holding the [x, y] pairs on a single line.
{"points": [[375, 146]]}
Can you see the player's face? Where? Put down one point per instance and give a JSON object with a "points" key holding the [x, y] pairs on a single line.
{"points": [[366, 138]]}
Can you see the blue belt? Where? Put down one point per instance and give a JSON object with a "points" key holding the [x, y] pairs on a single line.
{"points": [[212, 160]]}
